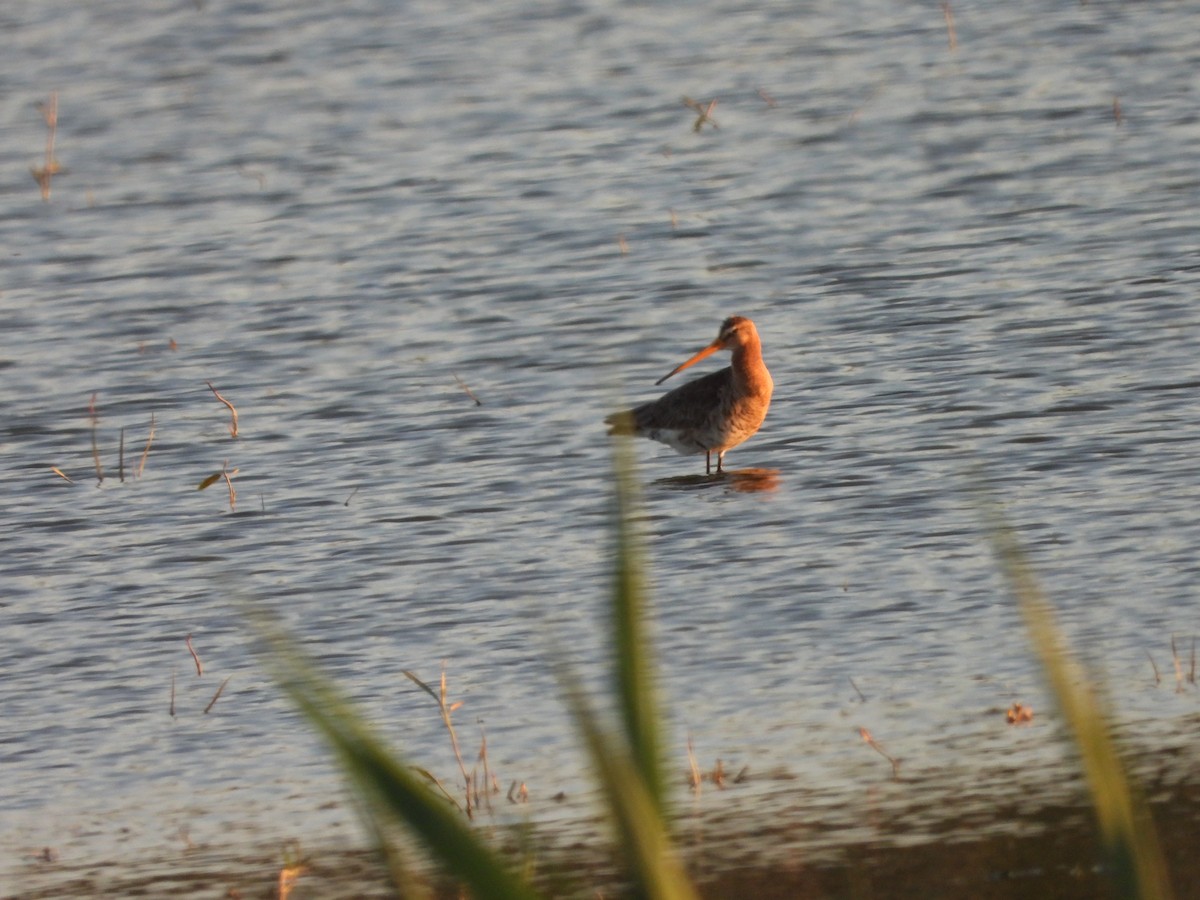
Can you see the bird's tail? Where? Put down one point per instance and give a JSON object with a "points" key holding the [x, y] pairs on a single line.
{"points": [[621, 422]]}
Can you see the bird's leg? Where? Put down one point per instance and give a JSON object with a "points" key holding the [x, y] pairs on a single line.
{"points": [[707, 462], [720, 462]]}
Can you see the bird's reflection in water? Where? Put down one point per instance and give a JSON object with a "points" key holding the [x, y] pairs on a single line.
{"points": [[750, 481], [744, 480]]}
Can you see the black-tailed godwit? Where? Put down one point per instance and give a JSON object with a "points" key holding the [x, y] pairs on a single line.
{"points": [[713, 413]]}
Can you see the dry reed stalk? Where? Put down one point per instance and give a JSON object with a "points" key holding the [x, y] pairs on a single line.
{"points": [[217, 695], [96, 458], [195, 656], [462, 384], [121, 457], [446, 711], [351, 497], [866, 736], [50, 167], [233, 423], [694, 776], [483, 759], [1178, 667], [703, 113], [951, 35], [1117, 117], [145, 453], [1157, 677], [228, 483], [60, 473], [95, 449], [857, 691], [172, 710], [437, 782], [288, 876]]}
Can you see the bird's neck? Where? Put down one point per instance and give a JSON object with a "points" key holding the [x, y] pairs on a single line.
{"points": [[748, 367]]}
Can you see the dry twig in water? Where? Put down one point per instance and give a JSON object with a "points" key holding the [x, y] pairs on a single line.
{"points": [[60, 473], [1157, 677], [195, 656], [857, 691], [149, 440], [462, 384], [233, 423], [172, 710], [217, 695]]}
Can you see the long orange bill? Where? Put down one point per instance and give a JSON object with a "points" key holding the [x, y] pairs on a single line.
{"points": [[707, 351]]}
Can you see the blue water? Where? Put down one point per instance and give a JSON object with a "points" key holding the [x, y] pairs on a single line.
{"points": [[968, 266]]}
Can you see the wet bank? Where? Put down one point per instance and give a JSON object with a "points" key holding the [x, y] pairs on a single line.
{"points": [[1031, 844]]}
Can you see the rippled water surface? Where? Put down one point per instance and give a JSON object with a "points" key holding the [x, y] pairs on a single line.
{"points": [[969, 264]]}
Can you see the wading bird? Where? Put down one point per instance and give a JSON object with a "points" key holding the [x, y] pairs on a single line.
{"points": [[715, 412]]}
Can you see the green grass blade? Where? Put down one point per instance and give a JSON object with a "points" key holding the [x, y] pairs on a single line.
{"points": [[1126, 829], [423, 686], [636, 694], [391, 785], [628, 764], [653, 864]]}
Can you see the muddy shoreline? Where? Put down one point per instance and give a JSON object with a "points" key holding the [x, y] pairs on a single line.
{"points": [[1051, 851]]}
